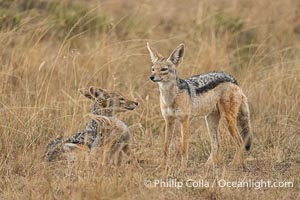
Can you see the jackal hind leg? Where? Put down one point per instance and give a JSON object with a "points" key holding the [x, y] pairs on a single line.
{"points": [[229, 111], [212, 122]]}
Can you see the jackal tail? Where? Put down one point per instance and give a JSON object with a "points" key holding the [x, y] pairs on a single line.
{"points": [[245, 124]]}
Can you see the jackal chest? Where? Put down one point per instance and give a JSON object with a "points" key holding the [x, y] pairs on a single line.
{"points": [[175, 106]]}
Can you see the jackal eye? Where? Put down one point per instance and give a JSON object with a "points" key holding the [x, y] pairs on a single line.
{"points": [[122, 99], [152, 69], [164, 69], [100, 101]]}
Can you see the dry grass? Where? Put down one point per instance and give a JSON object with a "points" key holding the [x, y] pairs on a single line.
{"points": [[48, 52]]}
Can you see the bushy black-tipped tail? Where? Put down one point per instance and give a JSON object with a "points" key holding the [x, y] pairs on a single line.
{"points": [[245, 125]]}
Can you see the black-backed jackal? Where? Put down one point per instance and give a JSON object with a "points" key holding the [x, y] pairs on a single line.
{"points": [[215, 95], [106, 104]]}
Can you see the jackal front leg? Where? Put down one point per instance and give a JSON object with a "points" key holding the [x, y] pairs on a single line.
{"points": [[169, 130], [185, 135]]}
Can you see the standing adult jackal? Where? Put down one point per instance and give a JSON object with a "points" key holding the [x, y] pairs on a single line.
{"points": [[215, 95]]}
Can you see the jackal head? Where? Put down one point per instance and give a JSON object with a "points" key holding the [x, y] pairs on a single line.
{"points": [[164, 69], [109, 99]]}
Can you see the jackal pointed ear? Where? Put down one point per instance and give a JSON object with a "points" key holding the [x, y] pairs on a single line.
{"points": [[176, 56], [98, 93], [85, 92], [154, 55]]}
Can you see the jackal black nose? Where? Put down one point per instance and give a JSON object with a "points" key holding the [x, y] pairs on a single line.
{"points": [[152, 77]]}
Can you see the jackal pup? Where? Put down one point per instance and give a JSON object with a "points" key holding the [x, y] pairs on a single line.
{"points": [[215, 95], [106, 104], [114, 137]]}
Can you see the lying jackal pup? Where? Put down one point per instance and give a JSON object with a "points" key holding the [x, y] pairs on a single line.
{"points": [[215, 95], [114, 137], [106, 104]]}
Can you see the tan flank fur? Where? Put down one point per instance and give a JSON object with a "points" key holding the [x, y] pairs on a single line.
{"points": [[214, 95]]}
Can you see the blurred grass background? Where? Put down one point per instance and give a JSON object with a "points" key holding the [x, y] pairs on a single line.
{"points": [[50, 49]]}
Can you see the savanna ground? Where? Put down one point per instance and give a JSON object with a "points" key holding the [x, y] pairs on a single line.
{"points": [[50, 49]]}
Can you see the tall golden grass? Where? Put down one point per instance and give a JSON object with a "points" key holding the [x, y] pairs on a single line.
{"points": [[50, 49]]}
